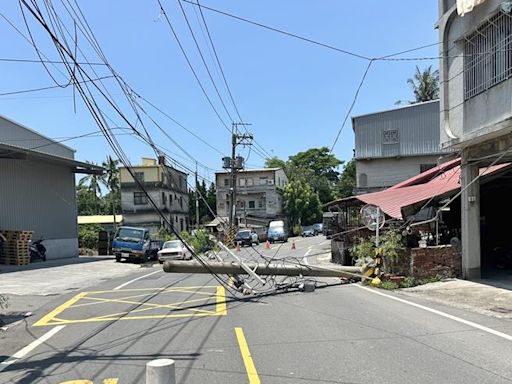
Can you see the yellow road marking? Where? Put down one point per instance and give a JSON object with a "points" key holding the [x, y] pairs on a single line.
{"points": [[246, 356], [221, 301], [112, 380], [219, 295], [45, 320], [154, 289]]}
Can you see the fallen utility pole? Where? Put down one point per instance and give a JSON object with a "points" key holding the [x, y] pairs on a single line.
{"points": [[236, 268]]}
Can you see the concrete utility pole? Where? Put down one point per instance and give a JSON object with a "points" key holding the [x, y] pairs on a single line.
{"points": [[236, 164], [239, 268]]}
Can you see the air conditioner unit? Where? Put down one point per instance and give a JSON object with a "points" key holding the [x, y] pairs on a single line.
{"points": [[270, 182]]}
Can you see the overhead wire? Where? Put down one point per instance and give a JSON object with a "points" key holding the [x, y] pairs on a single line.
{"points": [[99, 118]]}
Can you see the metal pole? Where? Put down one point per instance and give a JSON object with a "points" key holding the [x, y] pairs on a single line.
{"points": [[236, 268], [197, 202], [160, 371], [378, 225], [232, 214]]}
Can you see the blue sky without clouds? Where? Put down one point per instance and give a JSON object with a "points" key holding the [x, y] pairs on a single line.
{"points": [[295, 94]]}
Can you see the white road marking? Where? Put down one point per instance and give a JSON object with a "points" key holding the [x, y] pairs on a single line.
{"points": [[33, 345], [440, 313], [305, 258], [134, 280]]}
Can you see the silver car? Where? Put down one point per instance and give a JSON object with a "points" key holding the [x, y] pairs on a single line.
{"points": [[174, 250]]}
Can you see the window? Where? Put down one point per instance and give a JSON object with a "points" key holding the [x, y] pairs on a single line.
{"points": [[488, 55], [170, 199], [139, 198], [164, 198], [226, 182], [363, 180], [426, 167], [181, 201], [390, 136], [221, 205], [182, 228], [263, 180], [139, 176], [251, 204], [260, 203]]}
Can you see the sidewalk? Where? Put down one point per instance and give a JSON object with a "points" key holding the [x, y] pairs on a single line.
{"points": [[480, 298], [59, 276]]}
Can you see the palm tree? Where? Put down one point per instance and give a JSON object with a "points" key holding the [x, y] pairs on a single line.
{"points": [[425, 85], [93, 182], [110, 179]]}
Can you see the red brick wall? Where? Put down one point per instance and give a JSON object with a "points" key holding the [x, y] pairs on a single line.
{"points": [[443, 260]]}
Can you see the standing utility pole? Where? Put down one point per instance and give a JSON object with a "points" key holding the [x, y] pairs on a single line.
{"points": [[235, 164], [197, 202]]}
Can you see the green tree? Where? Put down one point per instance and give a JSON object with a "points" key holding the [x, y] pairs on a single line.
{"points": [[347, 182], [110, 180], [301, 204], [425, 84], [275, 162], [209, 194], [319, 167], [93, 183], [88, 202], [211, 198]]}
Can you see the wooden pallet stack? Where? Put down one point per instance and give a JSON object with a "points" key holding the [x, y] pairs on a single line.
{"points": [[16, 247]]}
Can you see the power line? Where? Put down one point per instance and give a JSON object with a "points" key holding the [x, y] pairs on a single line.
{"points": [[190, 65], [12, 60], [351, 105], [49, 87], [306, 39], [204, 61]]}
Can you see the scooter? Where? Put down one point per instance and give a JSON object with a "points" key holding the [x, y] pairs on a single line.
{"points": [[37, 250]]}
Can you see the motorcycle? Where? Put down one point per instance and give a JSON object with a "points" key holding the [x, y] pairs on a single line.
{"points": [[37, 250]]}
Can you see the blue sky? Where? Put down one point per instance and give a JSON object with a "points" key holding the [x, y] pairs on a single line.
{"points": [[295, 94]]}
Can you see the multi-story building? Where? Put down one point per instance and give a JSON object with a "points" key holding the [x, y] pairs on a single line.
{"points": [[259, 195], [394, 145], [476, 115], [166, 186]]}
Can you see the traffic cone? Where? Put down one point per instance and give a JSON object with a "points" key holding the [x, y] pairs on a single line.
{"points": [[293, 244], [238, 247], [267, 244]]}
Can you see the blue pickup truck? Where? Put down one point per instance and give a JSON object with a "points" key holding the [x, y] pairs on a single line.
{"points": [[134, 243]]}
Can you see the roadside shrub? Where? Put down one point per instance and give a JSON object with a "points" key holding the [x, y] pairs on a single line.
{"points": [[297, 230], [389, 285], [88, 235], [363, 250], [408, 282], [430, 279], [164, 235], [391, 244]]}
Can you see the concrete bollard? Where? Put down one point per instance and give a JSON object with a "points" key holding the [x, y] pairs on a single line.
{"points": [[160, 371]]}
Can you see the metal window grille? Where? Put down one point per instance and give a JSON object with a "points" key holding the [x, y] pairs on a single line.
{"points": [[139, 198], [390, 136], [488, 55]]}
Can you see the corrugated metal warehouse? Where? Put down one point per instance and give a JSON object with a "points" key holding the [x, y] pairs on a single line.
{"points": [[37, 188]]}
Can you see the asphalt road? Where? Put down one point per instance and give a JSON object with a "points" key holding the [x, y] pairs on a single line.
{"points": [[337, 334]]}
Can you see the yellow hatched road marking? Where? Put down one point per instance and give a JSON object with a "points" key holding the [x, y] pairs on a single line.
{"points": [[219, 295], [46, 319], [154, 289], [246, 356]]}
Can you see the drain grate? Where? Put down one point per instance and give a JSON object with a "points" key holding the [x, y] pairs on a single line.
{"points": [[501, 310]]}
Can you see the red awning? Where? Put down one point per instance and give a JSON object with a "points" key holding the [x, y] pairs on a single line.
{"points": [[436, 182]]}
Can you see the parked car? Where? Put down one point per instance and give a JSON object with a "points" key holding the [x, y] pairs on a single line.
{"points": [[132, 243], [308, 231], [277, 231], [174, 250], [246, 237], [318, 228]]}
